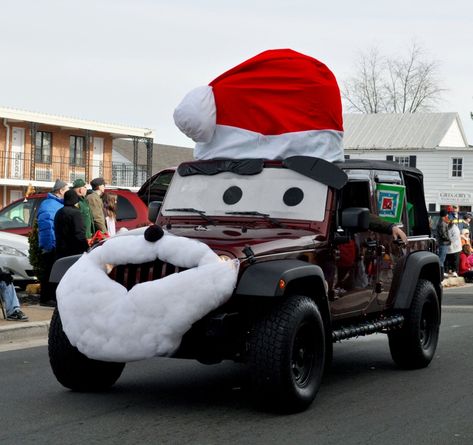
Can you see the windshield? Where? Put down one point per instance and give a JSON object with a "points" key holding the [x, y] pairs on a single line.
{"points": [[17, 215], [278, 192]]}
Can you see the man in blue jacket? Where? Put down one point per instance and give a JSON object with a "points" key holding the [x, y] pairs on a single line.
{"points": [[47, 239]]}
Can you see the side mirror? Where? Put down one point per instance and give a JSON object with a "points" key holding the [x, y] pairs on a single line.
{"points": [[355, 219], [153, 210]]}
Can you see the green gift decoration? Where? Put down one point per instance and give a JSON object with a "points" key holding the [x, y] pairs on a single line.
{"points": [[390, 201]]}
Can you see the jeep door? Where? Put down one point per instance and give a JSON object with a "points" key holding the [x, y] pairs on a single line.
{"points": [[356, 257]]}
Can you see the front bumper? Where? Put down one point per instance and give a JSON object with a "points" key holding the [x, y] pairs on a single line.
{"points": [[19, 267]]}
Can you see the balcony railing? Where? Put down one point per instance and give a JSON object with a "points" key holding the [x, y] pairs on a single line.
{"points": [[18, 166]]}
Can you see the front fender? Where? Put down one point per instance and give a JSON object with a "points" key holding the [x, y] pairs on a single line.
{"points": [[61, 266], [262, 279], [419, 265]]}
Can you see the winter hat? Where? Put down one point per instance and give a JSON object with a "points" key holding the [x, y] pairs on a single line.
{"points": [[277, 104], [95, 183], [78, 183], [58, 185], [71, 198]]}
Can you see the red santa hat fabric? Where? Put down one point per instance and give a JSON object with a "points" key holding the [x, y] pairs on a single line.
{"points": [[277, 104]]}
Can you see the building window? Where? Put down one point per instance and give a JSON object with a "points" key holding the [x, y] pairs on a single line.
{"points": [[403, 160], [43, 146], [432, 207], [457, 167], [77, 151], [407, 161]]}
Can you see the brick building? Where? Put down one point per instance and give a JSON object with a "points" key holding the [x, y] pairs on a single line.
{"points": [[36, 149]]}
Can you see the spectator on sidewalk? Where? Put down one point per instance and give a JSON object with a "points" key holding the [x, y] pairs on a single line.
{"points": [[454, 249], [81, 190], [465, 237], [465, 269], [110, 209], [9, 298], [96, 204], [467, 217], [47, 239], [69, 228], [443, 239]]}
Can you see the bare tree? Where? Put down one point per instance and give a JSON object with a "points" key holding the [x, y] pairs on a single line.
{"points": [[393, 85]]}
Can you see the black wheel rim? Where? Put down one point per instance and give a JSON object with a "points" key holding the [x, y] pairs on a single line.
{"points": [[427, 325], [303, 355]]}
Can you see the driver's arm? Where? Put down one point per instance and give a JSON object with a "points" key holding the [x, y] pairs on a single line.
{"points": [[378, 224]]}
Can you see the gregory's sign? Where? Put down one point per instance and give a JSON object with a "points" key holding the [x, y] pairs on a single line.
{"points": [[455, 197]]}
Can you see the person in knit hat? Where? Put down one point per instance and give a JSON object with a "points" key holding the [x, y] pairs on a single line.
{"points": [[278, 104], [80, 188], [47, 238], [69, 227], [96, 204]]}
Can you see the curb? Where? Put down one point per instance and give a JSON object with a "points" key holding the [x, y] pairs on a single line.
{"points": [[37, 330]]}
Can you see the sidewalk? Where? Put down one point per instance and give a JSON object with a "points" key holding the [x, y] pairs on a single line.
{"points": [[36, 327]]}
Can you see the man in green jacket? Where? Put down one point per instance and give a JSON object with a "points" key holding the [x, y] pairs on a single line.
{"points": [[96, 204], [81, 190]]}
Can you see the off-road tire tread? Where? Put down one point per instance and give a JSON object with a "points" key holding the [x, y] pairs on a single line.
{"points": [[268, 348], [72, 368], [406, 350]]}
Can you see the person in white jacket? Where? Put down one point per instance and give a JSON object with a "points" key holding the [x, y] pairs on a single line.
{"points": [[454, 249]]}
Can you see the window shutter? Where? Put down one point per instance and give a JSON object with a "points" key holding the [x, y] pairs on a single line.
{"points": [[389, 158], [412, 161]]}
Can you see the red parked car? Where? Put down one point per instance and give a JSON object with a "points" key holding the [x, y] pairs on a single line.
{"points": [[18, 217]]}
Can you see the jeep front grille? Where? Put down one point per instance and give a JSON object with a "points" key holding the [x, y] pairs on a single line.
{"points": [[130, 274]]}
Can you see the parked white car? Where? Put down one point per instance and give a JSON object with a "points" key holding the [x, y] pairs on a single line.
{"points": [[14, 258]]}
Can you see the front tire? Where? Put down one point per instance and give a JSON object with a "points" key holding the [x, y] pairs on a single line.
{"points": [[414, 345], [73, 369], [287, 354]]}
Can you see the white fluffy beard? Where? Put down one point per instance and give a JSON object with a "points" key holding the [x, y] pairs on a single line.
{"points": [[107, 322]]}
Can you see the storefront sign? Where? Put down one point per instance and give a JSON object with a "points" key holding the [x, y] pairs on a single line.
{"points": [[456, 198]]}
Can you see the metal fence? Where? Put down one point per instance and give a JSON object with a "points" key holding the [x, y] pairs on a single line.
{"points": [[18, 166]]}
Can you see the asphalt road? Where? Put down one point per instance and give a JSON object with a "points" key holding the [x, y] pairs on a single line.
{"points": [[364, 400]]}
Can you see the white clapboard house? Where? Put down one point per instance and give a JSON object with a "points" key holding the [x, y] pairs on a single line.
{"points": [[435, 143]]}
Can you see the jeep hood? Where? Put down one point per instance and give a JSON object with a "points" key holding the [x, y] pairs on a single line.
{"points": [[262, 240]]}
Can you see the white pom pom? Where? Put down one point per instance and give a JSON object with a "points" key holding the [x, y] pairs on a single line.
{"points": [[196, 115]]}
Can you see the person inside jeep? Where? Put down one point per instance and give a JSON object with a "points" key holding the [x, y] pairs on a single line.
{"points": [[379, 225]]}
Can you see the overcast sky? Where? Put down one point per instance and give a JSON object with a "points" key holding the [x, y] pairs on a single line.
{"points": [[131, 61]]}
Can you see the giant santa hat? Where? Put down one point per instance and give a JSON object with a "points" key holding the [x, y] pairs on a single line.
{"points": [[278, 104]]}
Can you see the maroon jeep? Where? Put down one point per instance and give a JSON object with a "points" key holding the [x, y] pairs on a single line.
{"points": [[317, 266]]}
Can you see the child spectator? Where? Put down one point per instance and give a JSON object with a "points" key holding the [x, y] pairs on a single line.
{"points": [[110, 210]]}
